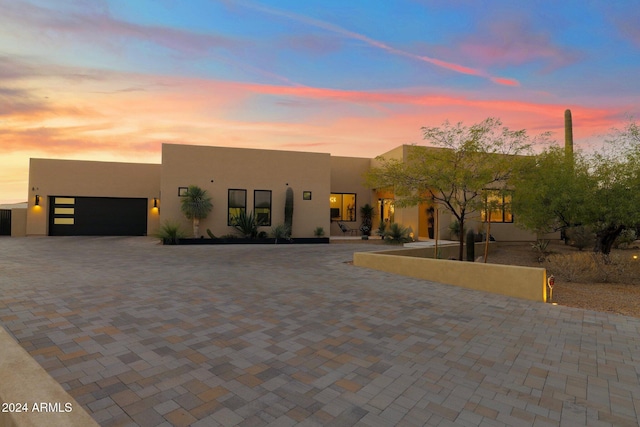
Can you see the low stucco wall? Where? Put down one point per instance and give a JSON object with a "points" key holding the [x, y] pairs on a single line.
{"points": [[515, 281], [24, 381]]}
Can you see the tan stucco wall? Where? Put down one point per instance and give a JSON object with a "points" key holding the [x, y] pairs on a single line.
{"points": [[347, 176], [509, 232], [398, 153], [218, 169], [18, 222], [521, 282], [24, 381], [48, 177]]}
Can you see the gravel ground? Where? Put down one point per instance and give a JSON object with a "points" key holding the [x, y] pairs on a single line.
{"points": [[621, 298]]}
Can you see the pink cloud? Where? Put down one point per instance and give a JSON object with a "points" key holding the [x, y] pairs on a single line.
{"points": [[627, 24], [514, 42], [132, 114], [312, 43], [381, 45], [96, 121], [96, 23]]}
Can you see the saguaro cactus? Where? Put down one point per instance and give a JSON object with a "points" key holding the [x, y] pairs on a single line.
{"points": [[288, 210], [471, 246], [568, 135]]}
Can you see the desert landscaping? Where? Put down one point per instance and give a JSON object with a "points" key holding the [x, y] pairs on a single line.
{"points": [[579, 278]]}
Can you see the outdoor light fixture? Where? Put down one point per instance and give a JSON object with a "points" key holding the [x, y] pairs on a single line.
{"points": [[155, 202], [37, 200]]}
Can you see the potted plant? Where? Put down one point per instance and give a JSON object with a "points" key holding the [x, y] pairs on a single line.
{"points": [[366, 213]]}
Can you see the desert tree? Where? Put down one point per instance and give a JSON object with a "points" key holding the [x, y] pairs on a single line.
{"points": [[551, 191], [454, 171], [598, 191]]}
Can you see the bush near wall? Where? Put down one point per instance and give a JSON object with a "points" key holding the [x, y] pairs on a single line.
{"points": [[589, 267]]}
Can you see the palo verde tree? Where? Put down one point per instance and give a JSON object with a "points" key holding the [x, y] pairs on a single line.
{"points": [[461, 163], [551, 191], [196, 205], [598, 192], [615, 187]]}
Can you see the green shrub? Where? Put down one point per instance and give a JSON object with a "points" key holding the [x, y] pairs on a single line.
{"points": [[382, 228], [581, 237], [210, 234], [397, 234], [318, 232], [280, 231], [541, 248], [170, 232], [627, 237], [454, 229]]}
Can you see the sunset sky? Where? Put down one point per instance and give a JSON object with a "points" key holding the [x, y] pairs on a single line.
{"points": [[114, 79]]}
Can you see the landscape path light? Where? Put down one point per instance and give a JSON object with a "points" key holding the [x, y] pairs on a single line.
{"points": [[550, 282]]}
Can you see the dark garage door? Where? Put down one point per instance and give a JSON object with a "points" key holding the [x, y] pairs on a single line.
{"points": [[97, 216]]}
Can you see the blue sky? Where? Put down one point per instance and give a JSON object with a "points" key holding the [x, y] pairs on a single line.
{"points": [[113, 80]]}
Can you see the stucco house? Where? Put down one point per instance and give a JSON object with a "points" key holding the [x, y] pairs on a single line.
{"points": [[71, 197]]}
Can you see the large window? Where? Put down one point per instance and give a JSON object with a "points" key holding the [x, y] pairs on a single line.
{"points": [[237, 204], [343, 206], [498, 202], [262, 206]]}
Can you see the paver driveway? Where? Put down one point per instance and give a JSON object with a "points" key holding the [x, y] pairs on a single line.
{"points": [[287, 335]]}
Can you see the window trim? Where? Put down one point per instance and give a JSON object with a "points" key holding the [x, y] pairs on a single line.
{"points": [[255, 207], [229, 207]]}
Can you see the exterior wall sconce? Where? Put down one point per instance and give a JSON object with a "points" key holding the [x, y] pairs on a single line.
{"points": [[37, 200], [155, 202]]}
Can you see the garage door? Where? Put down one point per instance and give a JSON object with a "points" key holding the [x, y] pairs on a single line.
{"points": [[97, 216]]}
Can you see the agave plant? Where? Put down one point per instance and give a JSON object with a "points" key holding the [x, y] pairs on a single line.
{"points": [[397, 234], [170, 233], [280, 231], [247, 224]]}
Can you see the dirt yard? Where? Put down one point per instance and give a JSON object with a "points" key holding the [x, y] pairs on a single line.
{"points": [[621, 297]]}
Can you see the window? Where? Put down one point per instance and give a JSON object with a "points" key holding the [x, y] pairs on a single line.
{"points": [[499, 204], [262, 206], [63, 210], [343, 206], [237, 204]]}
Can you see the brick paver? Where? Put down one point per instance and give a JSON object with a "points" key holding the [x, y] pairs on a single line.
{"points": [[144, 334]]}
